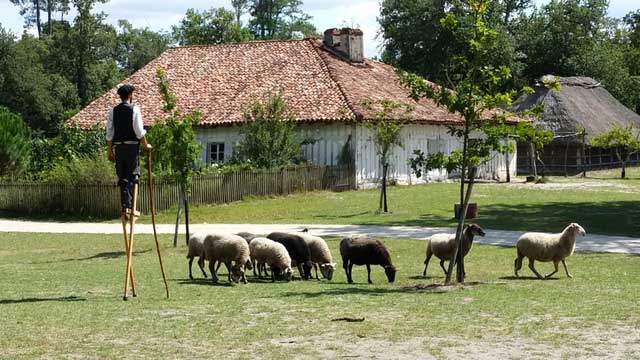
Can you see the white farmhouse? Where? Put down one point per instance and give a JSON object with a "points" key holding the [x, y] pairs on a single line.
{"points": [[324, 82]]}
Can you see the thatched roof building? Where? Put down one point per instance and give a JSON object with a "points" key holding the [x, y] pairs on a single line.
{"points": [[581, 103]]}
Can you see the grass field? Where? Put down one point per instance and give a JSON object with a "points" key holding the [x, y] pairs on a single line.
{"points": [[603, 206], [60, 297]]}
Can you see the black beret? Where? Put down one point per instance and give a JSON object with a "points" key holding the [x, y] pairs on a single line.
{"points": [[125, 90]]}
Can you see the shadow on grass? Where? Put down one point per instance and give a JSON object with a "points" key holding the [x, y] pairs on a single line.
{"points": [[604, 217], [375, 291], [103, 255], [208, 282], [56, 217], [524, 278], [36, 300]]}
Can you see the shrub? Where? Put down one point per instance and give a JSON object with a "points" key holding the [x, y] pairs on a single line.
{"points": [[15, 143]]}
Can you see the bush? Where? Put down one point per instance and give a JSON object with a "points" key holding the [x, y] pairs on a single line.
{"points": [[15, 143], [84, 169]]}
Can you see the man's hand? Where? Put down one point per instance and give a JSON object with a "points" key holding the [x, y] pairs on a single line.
{"points": [[148, 147], [111, 156]]}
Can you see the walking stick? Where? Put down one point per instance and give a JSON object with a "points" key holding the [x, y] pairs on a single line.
{"points": [[153, 219], [132, 217]]}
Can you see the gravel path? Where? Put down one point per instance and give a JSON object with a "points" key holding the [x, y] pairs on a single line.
{"points": [[592, 242]]}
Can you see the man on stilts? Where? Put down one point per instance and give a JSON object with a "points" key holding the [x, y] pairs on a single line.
{"points": [[125, 132]]}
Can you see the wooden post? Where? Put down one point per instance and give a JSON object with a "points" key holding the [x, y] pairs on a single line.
{"points": [[175, 234], [584, 157], [186, 211], [132, 218]]}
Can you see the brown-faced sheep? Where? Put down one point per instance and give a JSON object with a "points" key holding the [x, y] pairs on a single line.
{"points": [[443, 245], [196, 248], [268, 252], [547, 247], [232, 250], [320, 255]]}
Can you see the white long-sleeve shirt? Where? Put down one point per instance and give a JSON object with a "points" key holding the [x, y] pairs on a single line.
{"points": [[138, 125]]}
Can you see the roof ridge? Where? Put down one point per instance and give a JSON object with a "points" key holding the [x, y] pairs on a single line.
{"points": [[237, 43], [326, 68]]}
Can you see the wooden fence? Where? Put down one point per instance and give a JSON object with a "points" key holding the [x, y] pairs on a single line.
{"points": [[102, 200]]}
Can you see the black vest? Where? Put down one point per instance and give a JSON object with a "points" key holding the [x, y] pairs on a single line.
{"points": [[123, 123]]}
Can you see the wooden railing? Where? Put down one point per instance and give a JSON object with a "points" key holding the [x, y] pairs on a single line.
{"points": [[103, 200]]}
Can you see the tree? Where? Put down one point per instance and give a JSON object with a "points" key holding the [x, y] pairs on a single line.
{"points": [[214, 26], [476, 93], [15, 143], [537, 138], [136, 47], [386, 128], [175, 144], [239, 7], [269, 135], [279, 19], [30, 9], [625, 141]]}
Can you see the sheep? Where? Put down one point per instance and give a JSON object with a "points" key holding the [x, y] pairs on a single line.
{"points": [[320, 255], [547, 247], [248, 237], [268, 252], [443, 245], [366, 251], [196, 248], [298, 251], [232, 250]]}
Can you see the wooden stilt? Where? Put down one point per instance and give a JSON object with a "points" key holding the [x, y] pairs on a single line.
{"points": [[126, 249], [132, 218], [153, 220]]}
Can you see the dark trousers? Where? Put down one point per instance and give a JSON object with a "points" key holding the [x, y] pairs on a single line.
{"points": [[128, 171]]}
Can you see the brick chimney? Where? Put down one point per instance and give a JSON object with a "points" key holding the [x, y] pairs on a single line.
{"points": [[347, 42]]}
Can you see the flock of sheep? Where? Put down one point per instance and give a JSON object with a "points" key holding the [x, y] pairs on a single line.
{"points": [[281, 252]]}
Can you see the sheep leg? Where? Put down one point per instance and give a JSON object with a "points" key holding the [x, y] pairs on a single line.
{"points": [[531, 261], [426, 263], [190, 274], [301, 272], [228, 266], [214, 273], [219, 264], [253, 262], [443, 268], [264, 268], [347, 270], [517, 265], [566, 270], [369, 274], [315, 267], [201, 265], [555, 265]]}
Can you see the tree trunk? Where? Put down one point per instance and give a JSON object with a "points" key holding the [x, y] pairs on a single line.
{"points": [[463, 208], [533, 161], [622, 164], [508, 166], [385, 168], [49, 13], [458, 257], [186, 212], [175, 234], [38, 23]]}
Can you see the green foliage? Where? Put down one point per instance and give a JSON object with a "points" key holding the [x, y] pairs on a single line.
{"points": [[279, 19], [387, 124], [176, 148], [15, 143], [214, 26], [625, 141], [82, 169], [139, 46], [269, 135]]}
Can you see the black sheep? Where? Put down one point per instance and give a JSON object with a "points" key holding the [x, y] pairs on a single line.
{"points": [[366, 251], [298, 251]]}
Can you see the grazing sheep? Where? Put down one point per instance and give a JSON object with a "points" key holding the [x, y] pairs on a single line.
{"points": [[232, 250], [196, 248], [320, 255], [547, 247], [443, 245], [298, 251], [268, 252], [248, 237], [366, 251]]}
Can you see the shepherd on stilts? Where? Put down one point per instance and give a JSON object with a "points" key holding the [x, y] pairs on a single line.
{"points": [[125, 132]]}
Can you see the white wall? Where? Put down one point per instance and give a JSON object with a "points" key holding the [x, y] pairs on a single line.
{"points": [[330, 139], [428, 138]]}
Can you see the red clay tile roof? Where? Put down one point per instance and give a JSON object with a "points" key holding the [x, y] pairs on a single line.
{"points": [[222, 80]]}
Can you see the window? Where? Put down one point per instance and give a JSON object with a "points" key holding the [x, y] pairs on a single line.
{"points": [[216, 153]]}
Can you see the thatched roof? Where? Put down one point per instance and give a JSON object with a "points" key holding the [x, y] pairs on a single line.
{"points": [[581, 103]]}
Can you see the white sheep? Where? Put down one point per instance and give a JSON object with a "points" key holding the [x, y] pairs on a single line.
{"points": [[268, 252], [196, 248], [547, 247], [232, 250], [320, 254], [443, 245]]}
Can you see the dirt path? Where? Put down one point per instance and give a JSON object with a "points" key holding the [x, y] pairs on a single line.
{"points": [[592, 242]]}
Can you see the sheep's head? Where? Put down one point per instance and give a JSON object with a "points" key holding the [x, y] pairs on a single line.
{"points": [[390, 271], [237, 272], [577, 229], [475, 229], [327, 270], [287, 274], [248, 265]]}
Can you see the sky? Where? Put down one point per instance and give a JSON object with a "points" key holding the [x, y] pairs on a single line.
{"points": [[161, 14]]}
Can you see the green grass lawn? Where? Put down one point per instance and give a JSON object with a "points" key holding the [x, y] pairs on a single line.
{"points": [[60, 297], [608, 207]]}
